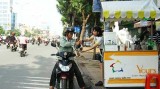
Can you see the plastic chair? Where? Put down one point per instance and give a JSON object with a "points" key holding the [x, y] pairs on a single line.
{"points": [[150, 78]]}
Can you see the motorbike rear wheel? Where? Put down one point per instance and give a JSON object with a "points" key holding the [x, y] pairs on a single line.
{"points": [[21, 53]]}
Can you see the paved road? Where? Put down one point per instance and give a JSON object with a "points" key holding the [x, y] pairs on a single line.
{"points": [[30, 72]]}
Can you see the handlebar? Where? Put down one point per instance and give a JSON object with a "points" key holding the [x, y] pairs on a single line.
{"points": [[76, 50]]}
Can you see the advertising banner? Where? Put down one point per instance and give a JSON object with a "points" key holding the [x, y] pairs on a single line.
{"points": [[129, 68]]}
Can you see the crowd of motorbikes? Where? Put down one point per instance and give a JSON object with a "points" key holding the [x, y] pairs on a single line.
{"points": [[18, 47]]}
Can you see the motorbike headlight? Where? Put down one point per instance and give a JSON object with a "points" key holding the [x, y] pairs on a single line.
{"points": [[65, 68]]}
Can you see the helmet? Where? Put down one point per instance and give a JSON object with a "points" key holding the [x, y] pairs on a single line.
{"points": [[68, 30]]}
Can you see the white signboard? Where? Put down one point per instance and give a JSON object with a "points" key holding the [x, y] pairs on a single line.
{"points": [[110, 41], [127, 69]]}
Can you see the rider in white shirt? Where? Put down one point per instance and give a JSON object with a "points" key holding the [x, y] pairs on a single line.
{"points": [[23, 42]]}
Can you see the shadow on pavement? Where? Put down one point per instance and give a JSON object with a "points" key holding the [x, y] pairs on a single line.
{"points": [[24, 76]]}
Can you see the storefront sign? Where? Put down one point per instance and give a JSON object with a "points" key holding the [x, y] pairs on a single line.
{"points": [[128, 68]]}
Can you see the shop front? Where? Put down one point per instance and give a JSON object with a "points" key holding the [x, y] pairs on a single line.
{"points": [[124, 64]]}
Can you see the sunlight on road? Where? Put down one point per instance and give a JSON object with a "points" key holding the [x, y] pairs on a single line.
{"points": [[32, 83]]}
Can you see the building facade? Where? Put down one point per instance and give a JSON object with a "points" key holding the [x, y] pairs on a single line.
{"points": [[5, 14], [13, 20]]}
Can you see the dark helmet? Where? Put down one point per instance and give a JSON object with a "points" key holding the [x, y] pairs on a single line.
{"points": [[68, 30]]}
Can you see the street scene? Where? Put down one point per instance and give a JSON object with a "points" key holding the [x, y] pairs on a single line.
{"points": [[30, 72], [79, 44]]}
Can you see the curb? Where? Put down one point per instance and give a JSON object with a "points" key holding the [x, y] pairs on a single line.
{"points": [[88, 78]]}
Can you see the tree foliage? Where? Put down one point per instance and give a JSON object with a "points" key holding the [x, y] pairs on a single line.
{"points": [[27, 34], [2, 30], [78, 13]]}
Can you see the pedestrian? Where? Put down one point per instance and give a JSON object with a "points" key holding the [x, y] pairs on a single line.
{"points": [[98, 41], [66, 45]]}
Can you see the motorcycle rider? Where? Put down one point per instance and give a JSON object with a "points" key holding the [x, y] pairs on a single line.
{"points": [[46, 41], [39, 39], [66, 44], [23, 42], [13, 39], [33, 40], [8, 40]]}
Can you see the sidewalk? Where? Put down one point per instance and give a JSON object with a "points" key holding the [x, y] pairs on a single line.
{"points": [[91, 70]]}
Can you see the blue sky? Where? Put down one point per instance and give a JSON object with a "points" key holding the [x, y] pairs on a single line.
{"points": [[39, 13]]}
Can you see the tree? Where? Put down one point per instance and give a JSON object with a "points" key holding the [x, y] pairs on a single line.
{"points": [[66, 10], [84, 8], [2, 30], [27, 34], [78, 13]]}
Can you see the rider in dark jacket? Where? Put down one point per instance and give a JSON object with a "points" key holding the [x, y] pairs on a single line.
{"points": [[13, 39]]}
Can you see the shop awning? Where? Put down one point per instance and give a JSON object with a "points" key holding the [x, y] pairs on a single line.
{"points": [[124, 10]]}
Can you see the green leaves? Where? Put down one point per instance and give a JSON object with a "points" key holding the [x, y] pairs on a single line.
{"points": [[1, 30]]}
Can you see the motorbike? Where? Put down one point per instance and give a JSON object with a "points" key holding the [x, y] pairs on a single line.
{"points": [[63, 71], [38, 43], [46, 43], [32, 42], [7, 45], [22, 51], [13, 47], [64, 79]]}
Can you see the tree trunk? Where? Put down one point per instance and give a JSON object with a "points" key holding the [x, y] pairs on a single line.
{"points": [[94, 50], [84, 24], [83, 30]]}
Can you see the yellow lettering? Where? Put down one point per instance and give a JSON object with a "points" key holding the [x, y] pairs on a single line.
{"points": [[139, 69], [142, 70]]}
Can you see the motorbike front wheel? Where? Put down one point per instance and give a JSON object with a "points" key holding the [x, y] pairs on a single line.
{"points": [[63, 84]]}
